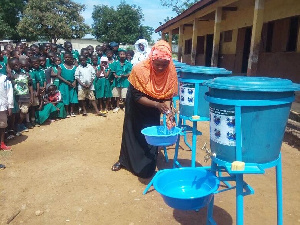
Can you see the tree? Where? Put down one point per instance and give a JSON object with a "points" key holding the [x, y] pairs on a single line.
{"points": [[178, 6], [10, 13], [122, 24], [52, 19]]}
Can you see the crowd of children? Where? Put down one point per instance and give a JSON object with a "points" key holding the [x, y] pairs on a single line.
{"points": [[46, 83]]}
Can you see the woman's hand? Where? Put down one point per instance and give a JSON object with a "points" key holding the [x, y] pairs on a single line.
{"points": [[162, 107]]}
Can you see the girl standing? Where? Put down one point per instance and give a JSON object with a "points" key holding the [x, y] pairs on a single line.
{"points": [[67, 86]]}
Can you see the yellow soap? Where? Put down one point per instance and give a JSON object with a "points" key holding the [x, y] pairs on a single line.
{"points": [[237, 166]]}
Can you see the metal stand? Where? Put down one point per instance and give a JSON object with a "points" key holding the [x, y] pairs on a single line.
{"points": [[242, 188]]}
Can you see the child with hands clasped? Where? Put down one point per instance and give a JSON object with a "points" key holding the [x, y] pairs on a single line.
{"points": [[67, 85], [102, 85], [85, 75]]}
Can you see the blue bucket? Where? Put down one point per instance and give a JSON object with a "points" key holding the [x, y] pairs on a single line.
{"points": [[191, 81], [160, 135], [186, 188], [263, 106]]}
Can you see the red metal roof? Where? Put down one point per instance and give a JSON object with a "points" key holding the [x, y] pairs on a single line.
{"points": [[194, 8]]}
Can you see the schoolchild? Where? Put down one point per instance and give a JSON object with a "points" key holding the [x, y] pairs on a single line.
{"points": [[35, 74], [129, 55], [121, 69], [54, 78], [51, 106], [85, 52], [85, 75], [90, 49], [35, 49], [3, 63], [67, 83], [23, 91], [99, 52], [6, 105], [25, 68], [102, 86], [69, 48]]}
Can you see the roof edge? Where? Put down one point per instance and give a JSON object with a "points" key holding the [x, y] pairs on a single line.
{"points": [[194, 8]]}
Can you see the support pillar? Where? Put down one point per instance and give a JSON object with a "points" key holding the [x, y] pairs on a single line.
{"points": [[298, 41], [216, 41], [194, 41], [258, 20], [170, 38], [180, 43]]}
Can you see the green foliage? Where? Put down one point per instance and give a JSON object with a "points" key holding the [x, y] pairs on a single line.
{"points": [[10, 12], [178, 6], [122, 24], [52, 19]]}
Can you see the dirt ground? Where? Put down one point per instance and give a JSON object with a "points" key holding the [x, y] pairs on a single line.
{"points": [[60, 174]]}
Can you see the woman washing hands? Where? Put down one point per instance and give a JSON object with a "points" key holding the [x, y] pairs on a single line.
{"points": [[153, 83]]}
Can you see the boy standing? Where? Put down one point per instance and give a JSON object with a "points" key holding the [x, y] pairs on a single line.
{"points": [[85, 75], [6, 104], [120, 70]]}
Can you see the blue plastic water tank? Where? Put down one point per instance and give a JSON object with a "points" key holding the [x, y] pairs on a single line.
{"points": [[193, 77], [265, 106]]}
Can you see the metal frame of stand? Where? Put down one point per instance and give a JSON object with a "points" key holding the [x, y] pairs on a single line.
{"points": [[188, 129], [242, 188]]}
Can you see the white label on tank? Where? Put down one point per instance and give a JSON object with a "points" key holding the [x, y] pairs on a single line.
{"points": [[187, 94], [222, 126]]}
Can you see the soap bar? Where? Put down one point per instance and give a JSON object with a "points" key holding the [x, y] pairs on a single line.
{"points": [[237, 166], [195, 117]]}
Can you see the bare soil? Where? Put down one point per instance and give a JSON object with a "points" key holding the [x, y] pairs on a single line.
{"points": [[60, 174]]}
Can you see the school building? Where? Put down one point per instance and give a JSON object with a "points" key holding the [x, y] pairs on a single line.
{"points": [[253, 37]]}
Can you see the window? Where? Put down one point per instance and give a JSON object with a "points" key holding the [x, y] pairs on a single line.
{"points": [[228, 36], [188, 46], [293, 34]]}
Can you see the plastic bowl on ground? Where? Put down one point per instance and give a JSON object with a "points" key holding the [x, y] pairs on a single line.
{"points": [[186, 188], [160, 135]]}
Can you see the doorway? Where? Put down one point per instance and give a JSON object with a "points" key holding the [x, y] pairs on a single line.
{"points": [[243, 45], [209, 49]]}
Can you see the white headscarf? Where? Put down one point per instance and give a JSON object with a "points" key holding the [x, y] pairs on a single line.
{"points": [[140, 55]]}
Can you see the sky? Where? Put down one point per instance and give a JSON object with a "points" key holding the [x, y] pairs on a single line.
{"points": [[153, 11]]}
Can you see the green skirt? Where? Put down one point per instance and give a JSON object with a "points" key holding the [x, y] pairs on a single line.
{"points": [[49, 111], [102, 88], [69, 94]]}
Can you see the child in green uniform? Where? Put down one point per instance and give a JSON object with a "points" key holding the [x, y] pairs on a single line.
{"points": [[99, 51], [85, 52], [69, 48], [67, 86], [102, 85], [120, 69], [34, 73], [51, 106], [54, 79], [2, 63]]}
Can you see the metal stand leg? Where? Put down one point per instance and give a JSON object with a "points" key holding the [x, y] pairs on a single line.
{"points": [[166, 154], [239, 200], [194, 143], [279, 192]]}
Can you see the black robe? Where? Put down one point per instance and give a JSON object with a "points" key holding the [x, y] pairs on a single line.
{"points": [[136, 154]]}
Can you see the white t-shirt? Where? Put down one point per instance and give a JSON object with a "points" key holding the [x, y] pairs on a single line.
{"points": [[85, 75]]}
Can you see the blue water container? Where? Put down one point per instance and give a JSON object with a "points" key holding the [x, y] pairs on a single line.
{"points": [[192, 90], [248, 116]]}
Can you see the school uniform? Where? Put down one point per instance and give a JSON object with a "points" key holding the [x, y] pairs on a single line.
{"points": [[69, 94], [120, 84], [102, 86]]}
